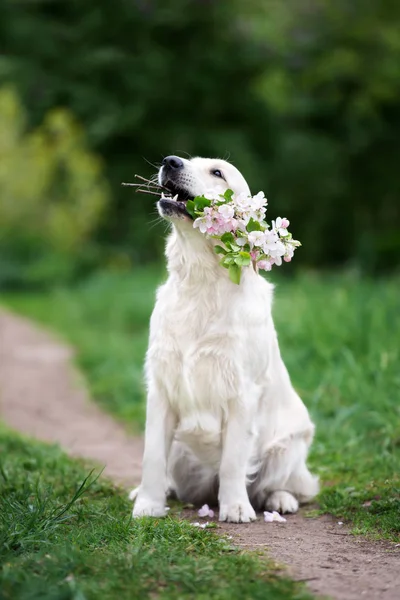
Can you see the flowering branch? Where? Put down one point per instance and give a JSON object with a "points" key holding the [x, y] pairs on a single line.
{"points": [[238, 222]]}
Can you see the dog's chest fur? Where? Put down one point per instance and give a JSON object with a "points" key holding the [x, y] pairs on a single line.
{"points": [[205, 340]]}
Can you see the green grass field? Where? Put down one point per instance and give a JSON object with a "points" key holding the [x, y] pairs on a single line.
{"points": [[339, 337], [64, 536]]}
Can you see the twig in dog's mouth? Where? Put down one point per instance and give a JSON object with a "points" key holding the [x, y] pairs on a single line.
{"points": [[154, 189]]}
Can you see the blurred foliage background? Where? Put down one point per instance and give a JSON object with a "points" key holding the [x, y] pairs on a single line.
{"points": [[303, 96]]}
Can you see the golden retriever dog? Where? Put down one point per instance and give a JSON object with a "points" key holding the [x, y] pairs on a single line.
{"points": [[224, 423]]}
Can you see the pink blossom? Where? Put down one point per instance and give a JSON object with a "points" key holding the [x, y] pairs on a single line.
{"points": [[265, 265], [289, 252], [256, 238], [225, 225], [242, 201], [205, 511], [227, 211], [241, 241], [258, 201], [274, 516], [280, 225], [275, 249], [203, 223], [254, 254], [269, 246], [278, 517], [270, 240]]}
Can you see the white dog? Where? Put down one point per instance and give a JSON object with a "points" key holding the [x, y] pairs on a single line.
{"points": [[223, 420]]}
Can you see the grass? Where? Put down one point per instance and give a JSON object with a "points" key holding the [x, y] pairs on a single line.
{"points": [[339, 337], [66, 535]]}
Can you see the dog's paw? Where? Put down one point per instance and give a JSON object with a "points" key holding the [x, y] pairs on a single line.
{"points": [[239, 512], [144, 507], [282, 502], [133, 494]]}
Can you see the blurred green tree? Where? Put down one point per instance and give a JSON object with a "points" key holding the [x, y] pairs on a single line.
{"points": [[333, 84], [145, 78], [52, 195], [302, 95]]}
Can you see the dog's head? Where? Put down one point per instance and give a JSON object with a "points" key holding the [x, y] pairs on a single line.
{"points": [[186, 179]]}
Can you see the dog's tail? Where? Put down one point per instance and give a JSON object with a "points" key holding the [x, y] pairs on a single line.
{"points": [[303, 484]]}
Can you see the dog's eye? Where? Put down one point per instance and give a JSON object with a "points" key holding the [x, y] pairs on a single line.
{"points": [[217, 173]]}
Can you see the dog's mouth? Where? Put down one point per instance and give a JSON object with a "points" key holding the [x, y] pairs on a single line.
{"points": [[175, 201]]}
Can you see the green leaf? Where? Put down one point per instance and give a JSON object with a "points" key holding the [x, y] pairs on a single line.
{"points": [[201, 202], [227, 238], [228, 195], [220, 250], [243, 260], [190, 208], [253, 225], [227, 260], [234, 273]]}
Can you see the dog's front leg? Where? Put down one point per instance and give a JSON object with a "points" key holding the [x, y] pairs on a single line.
{"points": [[234, 504], [160, 424]]}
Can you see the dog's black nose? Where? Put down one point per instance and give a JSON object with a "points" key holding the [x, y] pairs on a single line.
{"points": [[173, 162]]}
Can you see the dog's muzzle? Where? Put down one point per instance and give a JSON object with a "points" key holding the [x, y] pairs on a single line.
{"points": [[172, 163], [169, 177]]}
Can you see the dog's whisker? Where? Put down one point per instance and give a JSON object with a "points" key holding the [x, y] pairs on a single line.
{"points": [[189, 156], [159, 223], [157, 219], [155, 222], [151, 164]]}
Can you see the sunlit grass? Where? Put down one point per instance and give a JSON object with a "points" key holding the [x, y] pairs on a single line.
{"points": [[65, 535]]}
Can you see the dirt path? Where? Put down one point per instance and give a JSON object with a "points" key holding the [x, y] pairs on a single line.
{"points": [[41, 395]]}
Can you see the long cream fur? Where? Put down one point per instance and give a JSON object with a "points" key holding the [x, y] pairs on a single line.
{"points": [[223, 420]]}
